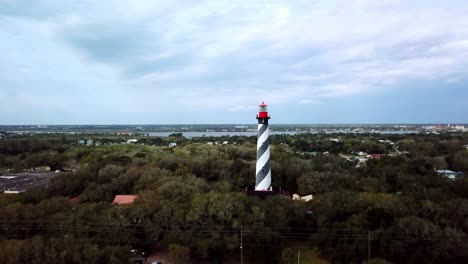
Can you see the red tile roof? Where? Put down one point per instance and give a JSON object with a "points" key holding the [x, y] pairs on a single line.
{"points": [[124, 199], [376, 156], [75, 199]]}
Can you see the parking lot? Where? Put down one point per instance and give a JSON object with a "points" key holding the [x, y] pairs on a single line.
{"points": [[18, 183]]}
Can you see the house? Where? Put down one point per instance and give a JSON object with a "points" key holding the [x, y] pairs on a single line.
{"points": [[305, 198], [362, 154], [452, 175], [386, 141], [75, 199], [89, 143], [132, 141], [466, 146], [124, 199], [361, 161], [375, 156], [172, 145], [14, 191]]}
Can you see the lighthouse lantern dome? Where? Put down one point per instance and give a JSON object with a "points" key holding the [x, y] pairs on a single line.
{"points": [[262, 107]]}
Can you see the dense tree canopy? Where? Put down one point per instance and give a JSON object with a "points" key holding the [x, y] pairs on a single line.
{"points": [[191, 199]]}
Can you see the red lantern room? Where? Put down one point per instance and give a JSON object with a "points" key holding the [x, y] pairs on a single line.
{"points": [[262, 111]]}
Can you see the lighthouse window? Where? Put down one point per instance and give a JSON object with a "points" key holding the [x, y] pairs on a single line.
{"points": [[263, 109]]}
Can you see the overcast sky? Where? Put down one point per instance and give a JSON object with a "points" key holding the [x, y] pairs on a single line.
{"points": [[152, 62]]}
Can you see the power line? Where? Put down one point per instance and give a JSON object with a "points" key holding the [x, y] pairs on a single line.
{"points": [[274, 235], [267, 229]]}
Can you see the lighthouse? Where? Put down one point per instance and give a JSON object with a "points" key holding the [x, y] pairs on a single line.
{"points": [[263, 169]]}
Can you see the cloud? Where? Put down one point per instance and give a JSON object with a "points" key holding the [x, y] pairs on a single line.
{"points": [[242, 108], [144, 57], [306, 102]]}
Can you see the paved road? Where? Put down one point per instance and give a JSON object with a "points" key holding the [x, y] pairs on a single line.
{"points": [[24, 181]]}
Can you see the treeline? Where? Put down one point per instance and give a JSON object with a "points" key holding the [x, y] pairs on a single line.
{"points": [[191, 196]]}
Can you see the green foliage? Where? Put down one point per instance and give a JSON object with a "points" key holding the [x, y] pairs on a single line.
{"points": [[287, 255], [460, 161], [191, 200], [377, 261], [59, 250], [177, 254]]}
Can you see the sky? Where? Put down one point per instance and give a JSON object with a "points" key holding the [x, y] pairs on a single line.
{"points": [[209, 62]]}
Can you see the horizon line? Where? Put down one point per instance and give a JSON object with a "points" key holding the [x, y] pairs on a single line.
{"points": [[208, 124]]}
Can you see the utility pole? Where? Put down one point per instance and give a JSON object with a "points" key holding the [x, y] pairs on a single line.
{"points": [[368, 247], [241, 249], [298, 256]]}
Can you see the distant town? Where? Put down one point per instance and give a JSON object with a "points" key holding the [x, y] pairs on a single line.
{"points": [[230, 129]]}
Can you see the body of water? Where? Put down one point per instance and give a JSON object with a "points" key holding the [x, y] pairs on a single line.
{"points": [[219, 134], [248, 134]]}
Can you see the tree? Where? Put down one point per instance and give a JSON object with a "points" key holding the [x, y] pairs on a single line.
{"points": [[287, 255], [460, 161], [178, 254], [377, 261]]}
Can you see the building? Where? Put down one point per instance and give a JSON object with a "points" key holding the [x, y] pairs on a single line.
{"points": [[263, 168], [386, 141], [172, 145], [124, 199], [452, 175], [14, 191], [132, 141], [375, 156], [305, 198], [75, 199]]}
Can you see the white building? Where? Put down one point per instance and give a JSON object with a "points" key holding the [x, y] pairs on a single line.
{"points": [[305, 198], [132, 141], [14, 191], [172, 145], [452, 175]]}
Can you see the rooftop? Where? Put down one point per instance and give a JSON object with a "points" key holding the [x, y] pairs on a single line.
{"points": [[124, 199]]}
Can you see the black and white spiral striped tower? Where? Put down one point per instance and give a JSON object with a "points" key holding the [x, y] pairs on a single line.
{"points": [[263, 177]]}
